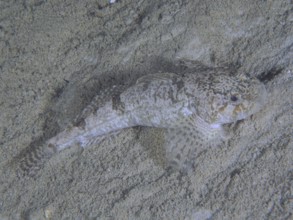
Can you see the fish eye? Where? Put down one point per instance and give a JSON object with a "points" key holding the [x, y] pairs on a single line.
{"points": [[233, 98]]}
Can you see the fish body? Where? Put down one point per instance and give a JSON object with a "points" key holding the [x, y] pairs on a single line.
{"points": [[190, 108]]}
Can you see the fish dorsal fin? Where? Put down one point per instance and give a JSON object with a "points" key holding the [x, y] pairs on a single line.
{"points": [[157, 77], [99, 101]]}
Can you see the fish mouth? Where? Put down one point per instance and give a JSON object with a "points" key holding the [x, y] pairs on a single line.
{"points": [[243, 110]]}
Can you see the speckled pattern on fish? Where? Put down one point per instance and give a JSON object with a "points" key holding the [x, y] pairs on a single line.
{"points": [[191, 108]]}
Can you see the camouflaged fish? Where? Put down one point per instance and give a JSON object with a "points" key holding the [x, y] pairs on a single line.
{"points": [[190, 108]]}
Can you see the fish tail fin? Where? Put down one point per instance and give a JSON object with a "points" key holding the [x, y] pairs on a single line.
{"points": [[33, 159]]}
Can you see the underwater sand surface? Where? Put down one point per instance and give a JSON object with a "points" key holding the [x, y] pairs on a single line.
{"points": [[56, 55]]}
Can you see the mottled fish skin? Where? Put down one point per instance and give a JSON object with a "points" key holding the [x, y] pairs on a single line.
{"points": [[191, 108]]}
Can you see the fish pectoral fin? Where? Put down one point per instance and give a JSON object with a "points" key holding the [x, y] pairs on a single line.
{"points": [[213, 134], [184, 144], [182, 147]]}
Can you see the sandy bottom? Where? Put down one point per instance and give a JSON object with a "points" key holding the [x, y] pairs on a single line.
{"points": [[55, 56]]}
